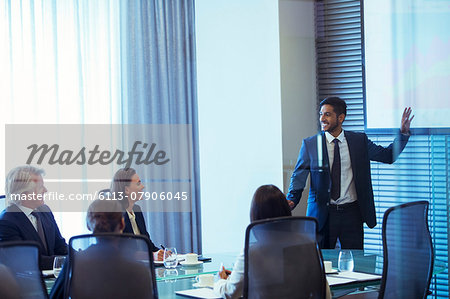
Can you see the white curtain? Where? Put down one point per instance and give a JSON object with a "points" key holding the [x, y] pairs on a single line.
{"points": [[105, 62], [59, 64], [161, 88]]}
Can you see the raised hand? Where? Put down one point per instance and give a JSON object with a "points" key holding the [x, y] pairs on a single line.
{"points": [[406, 120]]}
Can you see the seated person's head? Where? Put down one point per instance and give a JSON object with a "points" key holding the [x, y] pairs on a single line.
{"points": [[25, 182], [269, 202], [108, 268], [105, 216], [126, 185]]}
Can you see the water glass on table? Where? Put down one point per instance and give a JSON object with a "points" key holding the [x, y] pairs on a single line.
{"points": [[58, 263], [170, 257], [345, 261]]}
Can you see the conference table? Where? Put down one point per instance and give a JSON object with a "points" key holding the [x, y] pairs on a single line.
{"points": [[169, 281], [183, 277]]}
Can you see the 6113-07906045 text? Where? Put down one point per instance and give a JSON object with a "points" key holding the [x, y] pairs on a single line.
{"points": [[147, 195]]}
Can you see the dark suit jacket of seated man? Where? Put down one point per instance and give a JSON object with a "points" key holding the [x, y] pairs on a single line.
{"points": [[15, 225], [341, 217]]}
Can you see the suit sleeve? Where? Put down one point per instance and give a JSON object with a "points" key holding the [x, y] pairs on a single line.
{"points": [[60, 247], [138, 211], [152, 246], [60, 242], [387, 154], [299, 176], [9, 231]]}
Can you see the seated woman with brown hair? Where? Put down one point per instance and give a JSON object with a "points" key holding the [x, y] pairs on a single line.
{"points": [[268, 202], [127, 186]]}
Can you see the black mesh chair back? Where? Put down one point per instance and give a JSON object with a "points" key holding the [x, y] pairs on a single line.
{"points": [[110, 266], [283, 260], [407, 252], [20, 276]]}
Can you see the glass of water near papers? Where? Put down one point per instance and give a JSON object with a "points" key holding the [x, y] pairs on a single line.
{"points": [[58, 263], [170, 257], [345, 261]]}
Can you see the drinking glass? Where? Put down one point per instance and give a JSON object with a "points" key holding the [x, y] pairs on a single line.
{"points": [[345, 261], [170, 257], [58, 263]]}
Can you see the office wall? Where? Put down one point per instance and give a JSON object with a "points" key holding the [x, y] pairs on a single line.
{"points": [[239, 102], [298, 83]]}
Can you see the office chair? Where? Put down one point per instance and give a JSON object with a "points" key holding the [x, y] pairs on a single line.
{"points": [[20, 276], [407, 254], [109, 266], [283, 260]]}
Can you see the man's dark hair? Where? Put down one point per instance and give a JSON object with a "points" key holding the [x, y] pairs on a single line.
{"points": [[269, 202], [339, 105]]}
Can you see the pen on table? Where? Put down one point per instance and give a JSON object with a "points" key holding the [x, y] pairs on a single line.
{"points": [[162, 246]]}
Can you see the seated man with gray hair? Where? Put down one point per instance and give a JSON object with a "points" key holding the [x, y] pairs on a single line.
{"points": [[27, 218]]}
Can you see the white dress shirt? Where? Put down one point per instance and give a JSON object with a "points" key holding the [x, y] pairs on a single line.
{"points": [[233, 287], [348, 191]]}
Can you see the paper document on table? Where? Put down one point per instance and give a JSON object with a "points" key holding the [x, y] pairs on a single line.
{"points": [[359, 276], [334, 280], [198, 293], [346, 277]]}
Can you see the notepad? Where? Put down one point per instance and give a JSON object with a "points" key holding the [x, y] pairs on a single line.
{"points": [[198, 293]]}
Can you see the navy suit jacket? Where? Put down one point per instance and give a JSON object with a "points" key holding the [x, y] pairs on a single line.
{"points": [[140, 221], [362, 151], [15, 226]]}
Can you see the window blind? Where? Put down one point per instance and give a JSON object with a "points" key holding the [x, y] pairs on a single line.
{"points": [[338, 52], [422, 170]]}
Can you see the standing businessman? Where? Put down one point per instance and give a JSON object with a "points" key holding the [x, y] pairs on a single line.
{"points": [[340, 195]]}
